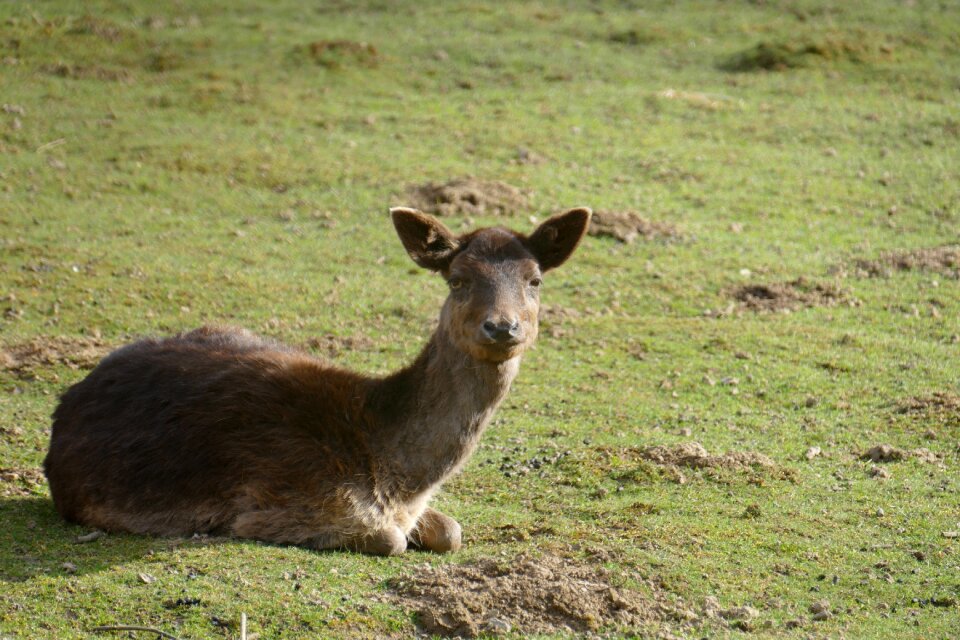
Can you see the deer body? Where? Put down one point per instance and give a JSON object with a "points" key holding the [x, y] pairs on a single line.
{"points": [[220, 431]]}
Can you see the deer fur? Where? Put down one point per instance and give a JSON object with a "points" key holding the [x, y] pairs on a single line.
{"points": [[221, 431]]}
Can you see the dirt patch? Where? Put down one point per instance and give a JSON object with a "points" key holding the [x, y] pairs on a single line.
{"points": [[637, 37], [332, 346], [643, 464], [88, 72], [164, 60], [46, 351], [781, 56], [467, 196], [627, 226], [698, 99], [335, 54], [531, 595], [940, 407], [102, 28], [889, 453], [784, 297], [943, 260], [20, 482], [694, 456]]}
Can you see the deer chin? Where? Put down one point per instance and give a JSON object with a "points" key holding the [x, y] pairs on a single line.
{"points": [[492, 352]]}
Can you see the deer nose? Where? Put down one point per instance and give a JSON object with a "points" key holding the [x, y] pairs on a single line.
{"points": [[503, 331]]}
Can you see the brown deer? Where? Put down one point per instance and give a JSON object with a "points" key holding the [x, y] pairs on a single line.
{"points": [[220, 431]]}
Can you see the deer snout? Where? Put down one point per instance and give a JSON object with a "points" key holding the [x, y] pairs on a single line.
{"points": [[502, 331]]}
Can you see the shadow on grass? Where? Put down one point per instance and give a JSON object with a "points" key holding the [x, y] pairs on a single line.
{"points": [[35, 541]]}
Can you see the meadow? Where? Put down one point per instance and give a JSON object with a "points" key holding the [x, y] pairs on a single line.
{"points": [[741, 418]]}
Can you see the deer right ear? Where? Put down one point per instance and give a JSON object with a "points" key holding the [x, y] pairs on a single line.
{"points": [[429, 243]]}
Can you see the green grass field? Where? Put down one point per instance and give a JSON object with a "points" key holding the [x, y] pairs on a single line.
{"points": [[165, 165]]}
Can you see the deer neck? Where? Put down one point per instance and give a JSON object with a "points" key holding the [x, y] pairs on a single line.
{"points": [[433, 413]]}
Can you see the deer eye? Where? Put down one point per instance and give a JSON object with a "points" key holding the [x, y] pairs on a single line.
{"points": [[535, 282], [455, 283]]}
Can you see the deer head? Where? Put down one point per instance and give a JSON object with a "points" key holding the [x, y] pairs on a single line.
{"points": [[494, 275]]}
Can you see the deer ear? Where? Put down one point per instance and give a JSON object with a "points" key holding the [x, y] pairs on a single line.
{"points": [[426, 239], [554, 240]]}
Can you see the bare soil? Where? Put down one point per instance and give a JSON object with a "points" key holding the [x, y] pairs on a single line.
{"points": [[331, 346], [943, 260], [334, 54], [468, 196], [627, 226], [784, 297], [672, 460], [889, 453], [533, 595], [88, 72], [784, 55], [46, 351], [939, 407], [695, 456], [20, 482]]}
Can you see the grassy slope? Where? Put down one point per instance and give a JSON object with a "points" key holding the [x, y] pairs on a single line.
{"points": [[182, 146]]}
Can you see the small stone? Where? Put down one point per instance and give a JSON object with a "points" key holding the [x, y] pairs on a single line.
{"points": [[812, 453], [146, 578], [793, 624], [820, 606], [69, 567], [497, 626], [924, 455], [951, 534], [883, 453], [919, 555], [711, 607], [881, 512], [96, 534], [879, 472], [744, 613], [822, 615]]}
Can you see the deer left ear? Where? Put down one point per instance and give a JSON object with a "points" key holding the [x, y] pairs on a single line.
{"points": [[428, 242], [554, 240]]}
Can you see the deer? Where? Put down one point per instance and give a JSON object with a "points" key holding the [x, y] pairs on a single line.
{"points": [[219, 431]]}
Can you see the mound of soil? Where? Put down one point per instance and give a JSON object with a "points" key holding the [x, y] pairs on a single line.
{"points": [[627, 226], [785, 297], [20, 482], [889, 453], [46, 351], [334, 54], [88, 72], [533, 595], [642, 464], [467, 196], [944, 260], [781, 56], [694, 456], [103, 28], [940, 407]]}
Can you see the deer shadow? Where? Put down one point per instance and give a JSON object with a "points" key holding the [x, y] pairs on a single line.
{"points": [[35, 541]]}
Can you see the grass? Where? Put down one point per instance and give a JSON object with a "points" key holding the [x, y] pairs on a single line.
{"points": [[224, 162]]}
